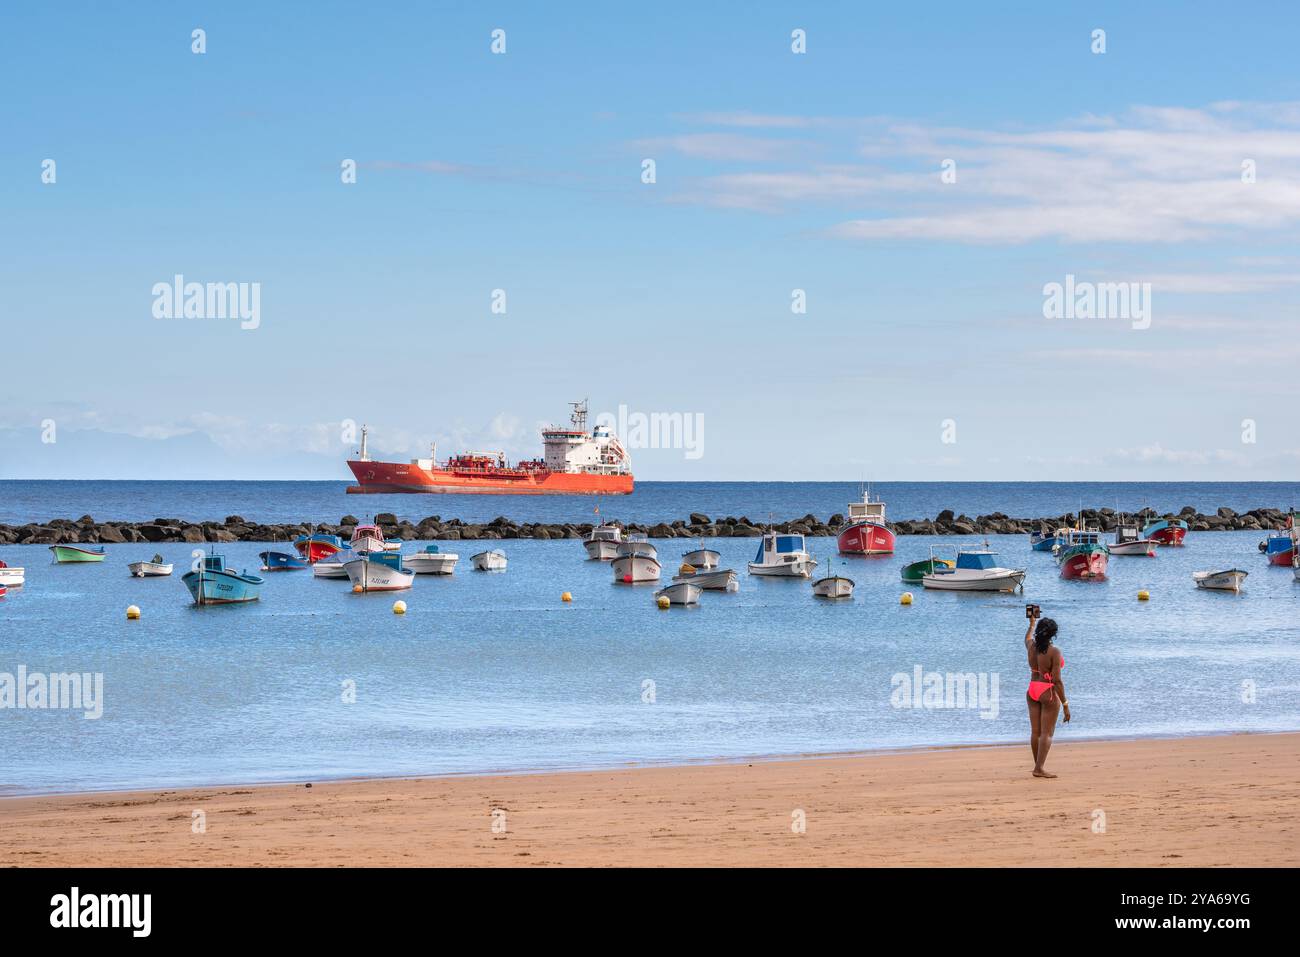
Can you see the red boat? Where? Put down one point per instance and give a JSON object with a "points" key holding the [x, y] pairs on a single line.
{"points": [[317, 546], [1083, 556], [1170, 531], [867, 533], [1280, 546], [575, 462]]}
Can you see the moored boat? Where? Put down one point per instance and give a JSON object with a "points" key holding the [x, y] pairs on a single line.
{"points": [[631, 569], [1166, 531], [154, 568], [636, 545], [702, 558], [332, 566], [10, 575], [833, 586], [431, 561], [866, 533], [974, 569], [782, 555], [1044, 541], [713, 579], [916, 571], [1280, 546], [369, 538], [71, 554], [315, 547], [680, 593], [215, 584], [378, 571], [602, 542], [1229, 579], [1129, 541], [493, 560], [1083, 556], [282, 562]]}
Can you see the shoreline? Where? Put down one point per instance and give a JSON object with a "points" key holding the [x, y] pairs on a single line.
{"points": [[630, 765], [1215, 800]]}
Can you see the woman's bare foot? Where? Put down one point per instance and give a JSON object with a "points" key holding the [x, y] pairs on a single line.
{"points": [[1040, 773]]}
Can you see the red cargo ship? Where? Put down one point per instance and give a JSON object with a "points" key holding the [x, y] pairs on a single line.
{"points": [[574, 462]]}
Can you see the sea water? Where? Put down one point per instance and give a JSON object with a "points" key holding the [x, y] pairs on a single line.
{"points": [[493, 672]]}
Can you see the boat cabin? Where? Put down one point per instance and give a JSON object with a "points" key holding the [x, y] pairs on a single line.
{"points": [[776, 548], [1127, 533], [981, 560], [606, 533], [867, 511]]}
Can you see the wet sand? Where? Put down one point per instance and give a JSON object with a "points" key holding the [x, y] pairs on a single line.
{"points": [[1215, 801]]}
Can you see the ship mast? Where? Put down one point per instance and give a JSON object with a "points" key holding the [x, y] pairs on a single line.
{"points": [[364, 455], [579, 416]]}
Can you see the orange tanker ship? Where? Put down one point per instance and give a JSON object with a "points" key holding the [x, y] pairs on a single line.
{"points": [[574, 462]]}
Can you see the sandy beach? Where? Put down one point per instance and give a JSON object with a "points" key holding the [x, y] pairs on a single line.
{"points": [[1214, 801]]}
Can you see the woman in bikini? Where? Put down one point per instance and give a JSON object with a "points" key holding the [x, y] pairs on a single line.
{"points": [[1046, 695]]}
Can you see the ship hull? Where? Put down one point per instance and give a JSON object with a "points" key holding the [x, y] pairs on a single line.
{"points": [[388, 477], [866, 538], [1084, 564]]}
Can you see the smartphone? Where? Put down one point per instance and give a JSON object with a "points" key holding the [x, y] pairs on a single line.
{"points": [[1031, 611]]}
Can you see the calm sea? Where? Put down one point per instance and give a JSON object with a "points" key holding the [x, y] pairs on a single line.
{"points": [[492, 672]]}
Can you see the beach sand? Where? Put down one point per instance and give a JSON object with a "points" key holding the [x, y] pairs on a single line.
{"points": [[1218, 801]]}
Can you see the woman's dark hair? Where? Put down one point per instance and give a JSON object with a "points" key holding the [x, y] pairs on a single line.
{"points": [[1044, 634]]}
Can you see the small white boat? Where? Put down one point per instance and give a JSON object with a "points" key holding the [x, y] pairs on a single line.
{"points": [[489, 561], [833, 587], [973, 570], [379, 572], [10, 576], [1129, 541], [369, 538], [716, 579], [636, 546], [332, 567], [431, 561], [702, 558], [602, 543], [630, 569], [680, 593], [1229, 579], [154, 568], [782, 555]]}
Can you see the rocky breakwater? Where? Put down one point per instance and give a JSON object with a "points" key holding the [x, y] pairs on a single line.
{"points": [[236, 528]]}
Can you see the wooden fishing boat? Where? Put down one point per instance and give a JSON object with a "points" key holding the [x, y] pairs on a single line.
{"points": [[680, 593], [602, 543], [1129, 541], [214, 584], [1229, 579], [631, 569], [702, 558], [282, 562], [71, 554], [866, 533], [1166, 531], [713, 579], [9, 575], [315, 547], [493, 560], [916, 571], [1083, 556], [378, 571], [154, 568]]}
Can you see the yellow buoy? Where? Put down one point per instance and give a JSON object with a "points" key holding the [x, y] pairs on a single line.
{"points": [[1144, 595], [662, 601], [905, 598], [357, 589], [132, 612], [566, 597], [399, 607]]}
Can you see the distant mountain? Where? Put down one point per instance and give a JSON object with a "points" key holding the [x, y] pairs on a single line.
{"points": [[95, 454]]}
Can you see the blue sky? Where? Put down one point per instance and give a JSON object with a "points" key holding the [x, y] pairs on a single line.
{"points": [[775, 171]]}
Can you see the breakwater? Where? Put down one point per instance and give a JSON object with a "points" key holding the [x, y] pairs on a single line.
{"points": [[235, 528]]}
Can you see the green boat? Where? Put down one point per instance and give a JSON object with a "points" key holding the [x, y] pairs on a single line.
{"points": [[64, 554], [917, 570]]}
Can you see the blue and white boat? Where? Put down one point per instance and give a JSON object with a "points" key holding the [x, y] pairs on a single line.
{"points": [[378, 571], [1045, 542], [974, 570], [281, 562], [782, 555], [214, 584]]}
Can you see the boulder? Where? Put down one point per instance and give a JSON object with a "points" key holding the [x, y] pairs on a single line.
{"points": [[192, 533], [699, 518], [946, 516], [110, 533]]}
